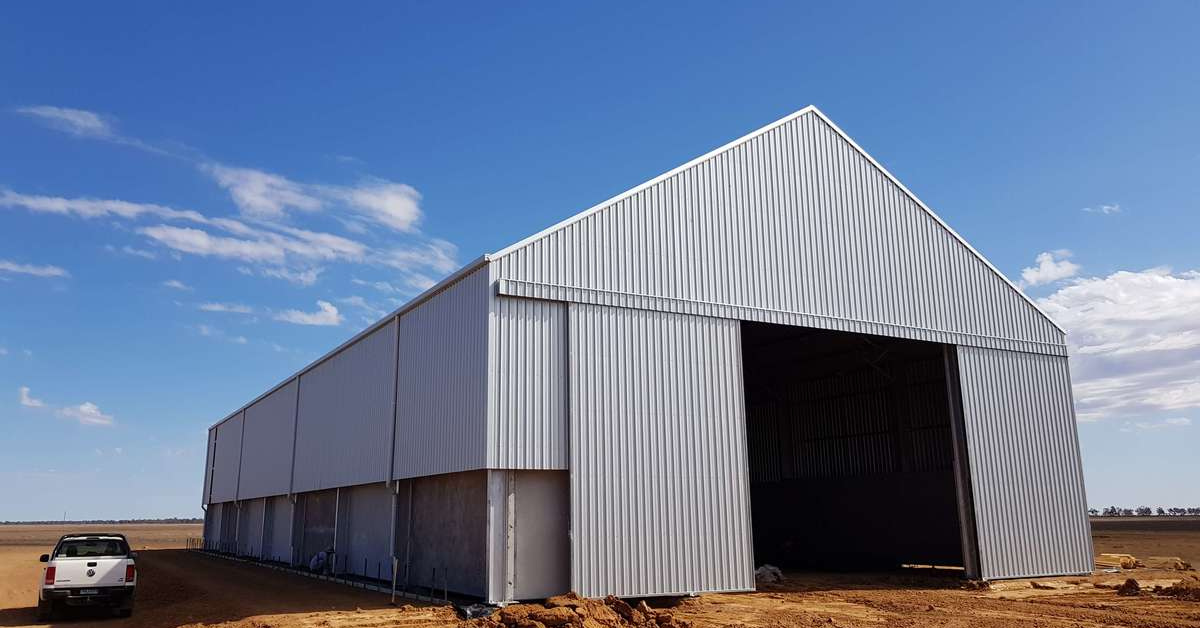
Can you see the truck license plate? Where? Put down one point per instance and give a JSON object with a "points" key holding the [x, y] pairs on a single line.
{"points": [[89, 591]]}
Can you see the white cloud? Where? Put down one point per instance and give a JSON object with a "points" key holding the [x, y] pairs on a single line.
{"points": [[262, 194], [3, 351], [198, 242], [326, 314], [129, 250], [1104, 209], [363, 304], [265, 195], [7, 266], [1051, 266], [87, 413], [77, 122], [233, 308], [1142, 426], [28, 352], [306, 277], [175, 284], [27, 400], [1134, 341]]}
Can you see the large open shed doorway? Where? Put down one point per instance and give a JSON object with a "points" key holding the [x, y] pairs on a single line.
{"points": [[852, 450]]}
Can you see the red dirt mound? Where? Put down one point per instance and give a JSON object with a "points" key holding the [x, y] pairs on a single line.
{"points": [[572, 611]]}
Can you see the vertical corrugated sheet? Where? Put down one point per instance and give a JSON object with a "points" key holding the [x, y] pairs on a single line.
{"points": [[1026, 475], [208, 463], [227, 455], [277, 542], [660, 500], [344, 426], [793, 225], [368, 530], [267, 444], [441, 414], [250, 527], [528, 426]]}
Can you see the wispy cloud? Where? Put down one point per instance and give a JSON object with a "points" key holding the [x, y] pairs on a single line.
{"points": [[7, 266], [85, 124], [28, 400], [326, 314], [1103, 209], [264, 238], [1134, 341], [87, 413], [261, 194], [175, 284], [78, 122], [362, 304], [233, 308], [1050, 267], [129, 250], [208, 331], [1142, 426]]}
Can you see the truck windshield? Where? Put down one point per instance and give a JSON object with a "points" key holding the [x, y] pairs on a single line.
{"points": [[80, 548]]}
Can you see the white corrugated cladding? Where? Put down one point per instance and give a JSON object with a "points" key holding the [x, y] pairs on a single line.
{"points": [[794, 225], [227, 456], [344, 422], [528, 423], [267, 444], [250, 527], [660, 499], [1026, 474], [208, 463], [442, 404], [368, 530]]}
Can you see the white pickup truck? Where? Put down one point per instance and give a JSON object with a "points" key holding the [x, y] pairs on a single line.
{"points": [[88, 570]]}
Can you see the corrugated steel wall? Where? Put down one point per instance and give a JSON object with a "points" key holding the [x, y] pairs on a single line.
{"points": [[227, 456], [442, 406], [660, 499], [208, 463], [344, 424], [1026, 474], [368, 530], [528, 422], [792, 226], [267, 444]]}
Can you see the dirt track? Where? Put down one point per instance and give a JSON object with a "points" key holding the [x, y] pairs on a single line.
{"points": [[185, 589]]}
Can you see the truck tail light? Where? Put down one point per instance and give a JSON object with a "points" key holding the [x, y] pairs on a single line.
{"points": [[50, 575], [130, 573]]}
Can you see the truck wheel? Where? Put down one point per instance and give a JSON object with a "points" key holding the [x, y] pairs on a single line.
{"points": [[45, 610]]}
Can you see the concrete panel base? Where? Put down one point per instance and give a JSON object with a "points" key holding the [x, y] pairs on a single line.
{"points": [[441, 533]]}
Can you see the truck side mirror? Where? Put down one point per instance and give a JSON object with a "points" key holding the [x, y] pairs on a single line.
{"points": [[45, 558], [133, 554]]}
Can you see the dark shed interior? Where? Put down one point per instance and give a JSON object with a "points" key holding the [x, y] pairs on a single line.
{"points": [[850, 448]]}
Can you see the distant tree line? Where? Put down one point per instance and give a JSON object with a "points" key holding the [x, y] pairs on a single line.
{"points": [[104, 521], [1143, 511]]}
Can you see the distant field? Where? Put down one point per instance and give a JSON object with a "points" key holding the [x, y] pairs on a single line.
{"points": [[140, 535], [1148, 536]]}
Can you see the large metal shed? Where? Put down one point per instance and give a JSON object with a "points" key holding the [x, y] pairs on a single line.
{"points": [[773, 353]]}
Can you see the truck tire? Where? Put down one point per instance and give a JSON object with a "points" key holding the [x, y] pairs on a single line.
{"points": [[45, 610]]}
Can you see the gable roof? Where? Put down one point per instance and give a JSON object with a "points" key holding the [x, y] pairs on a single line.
{"points": [[811, 109]]}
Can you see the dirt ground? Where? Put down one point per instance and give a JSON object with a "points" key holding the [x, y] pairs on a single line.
{"points": [[180, 588]]}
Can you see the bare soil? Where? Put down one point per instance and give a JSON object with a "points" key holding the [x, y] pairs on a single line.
{"points": [[180, 588]]}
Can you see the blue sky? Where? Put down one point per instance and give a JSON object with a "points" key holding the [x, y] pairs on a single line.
{"points": [[197, 200]]}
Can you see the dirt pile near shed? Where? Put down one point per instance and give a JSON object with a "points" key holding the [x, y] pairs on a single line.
{"points": [[1186, 589], [570, 610]]}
